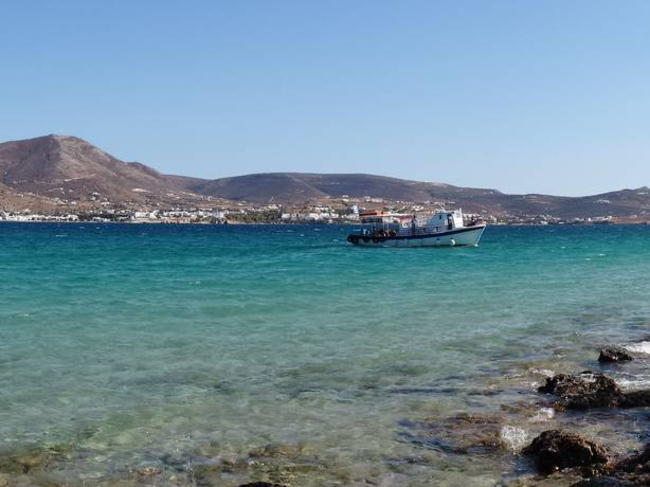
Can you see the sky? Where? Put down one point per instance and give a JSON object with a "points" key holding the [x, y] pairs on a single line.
{"points": [[523, 96]]}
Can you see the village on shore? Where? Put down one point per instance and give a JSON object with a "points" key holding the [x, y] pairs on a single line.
{"points": [[340, 211]]}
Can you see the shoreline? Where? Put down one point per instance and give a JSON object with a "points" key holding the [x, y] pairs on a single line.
{"points": [[509, 434], [318, 223]]}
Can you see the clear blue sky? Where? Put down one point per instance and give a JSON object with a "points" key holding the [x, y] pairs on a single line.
{"points": [[522, 96]]}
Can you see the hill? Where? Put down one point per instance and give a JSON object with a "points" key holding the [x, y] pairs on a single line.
{"points": [[299, 188], [57, 169], [69, 168]]}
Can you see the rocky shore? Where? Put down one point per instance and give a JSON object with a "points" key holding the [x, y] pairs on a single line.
{"points": [[539, 439], [562, 454], [556, 450], [273, 465]]}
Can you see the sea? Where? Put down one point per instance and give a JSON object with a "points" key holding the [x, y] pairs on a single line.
{"points": [[219, 355]]}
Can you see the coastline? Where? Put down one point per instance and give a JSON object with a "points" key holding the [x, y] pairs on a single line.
{"points": [[312, 223], [509, 434]]}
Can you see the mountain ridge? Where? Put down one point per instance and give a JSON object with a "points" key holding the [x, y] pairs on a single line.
{"points": [[69, 169]]}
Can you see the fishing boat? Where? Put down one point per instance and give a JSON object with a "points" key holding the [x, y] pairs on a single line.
{"points": [[443, 229]]}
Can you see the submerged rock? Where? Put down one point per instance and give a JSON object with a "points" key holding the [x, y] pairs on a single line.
{"points": [[278, 450], [261, 484], [557, 450], [604, 482], [611, 354], [460, 434], [24, 461], [635, 399], [638, 463], [148, 470], [632, 470], [274, 464]]}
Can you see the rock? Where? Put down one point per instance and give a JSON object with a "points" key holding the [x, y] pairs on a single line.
{"points": [[556, 450], [635, 399], [261, 484], [23, 462], [588, 401], [639, 463], [148, 470], [277, 450], [459, 434], [611, 354], [589, 390], [231, 465], [604, 482], [586, 382], [583, 391], [633, 470]]}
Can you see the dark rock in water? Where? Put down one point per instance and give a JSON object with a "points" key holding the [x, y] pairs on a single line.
{"points": [[604, 482], [583, 391], [635, 399], [611, 354], [558, 383], [261, 484], [633, 470], [556, 450], [586, 382], [639, 463], [589, 390], [589, 401]]}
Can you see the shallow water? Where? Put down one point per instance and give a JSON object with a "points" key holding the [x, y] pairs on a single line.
{"points": [[134, 344]]}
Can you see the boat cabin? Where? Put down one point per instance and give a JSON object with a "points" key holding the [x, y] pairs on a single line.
{"points": [[386, 224], [446, 220], [381, 223]]}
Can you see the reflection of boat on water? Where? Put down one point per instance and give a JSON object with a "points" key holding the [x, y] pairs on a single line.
{"points": [[444, 228]]}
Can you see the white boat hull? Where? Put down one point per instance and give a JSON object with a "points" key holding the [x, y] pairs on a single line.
{"points": [[461, 237]]}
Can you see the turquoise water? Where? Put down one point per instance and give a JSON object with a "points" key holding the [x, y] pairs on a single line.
{"points": [[176, 346]]}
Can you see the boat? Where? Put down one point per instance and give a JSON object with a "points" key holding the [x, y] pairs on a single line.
{"points": [[443, 229]]}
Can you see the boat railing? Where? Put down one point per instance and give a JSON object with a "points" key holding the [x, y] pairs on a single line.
{"points": [[418, 231], [404, 231]]}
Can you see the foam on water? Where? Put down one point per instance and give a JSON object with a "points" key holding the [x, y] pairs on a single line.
{"points": [[514, 437], [638, 347], [544, 372], [636, 383], [543, 415]]}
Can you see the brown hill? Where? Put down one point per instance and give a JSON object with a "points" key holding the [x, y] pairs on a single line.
{"points": [[300, 187], [260, 188], [70, 168], [56, 168]]}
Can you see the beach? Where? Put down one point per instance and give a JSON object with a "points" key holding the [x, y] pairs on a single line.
{"points": [[221, 355]]}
